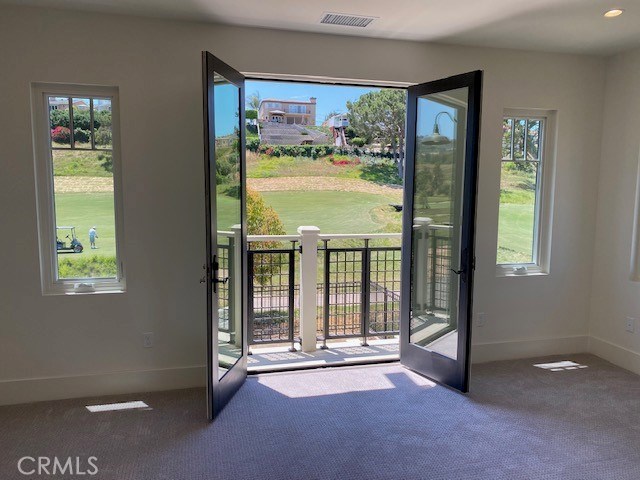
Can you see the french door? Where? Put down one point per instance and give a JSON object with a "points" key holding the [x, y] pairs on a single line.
{"points": [[225, 278], [443, 119]]}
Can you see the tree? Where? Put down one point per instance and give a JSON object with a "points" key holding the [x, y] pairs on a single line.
{"points": [[437, 179], [380, 116], [332, 113], [253, 101], [261, 218]]}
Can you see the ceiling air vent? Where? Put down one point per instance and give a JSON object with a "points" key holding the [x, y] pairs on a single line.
{"points": [[346, 20]]}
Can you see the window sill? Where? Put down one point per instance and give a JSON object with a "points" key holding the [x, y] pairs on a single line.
{"points": [[96, 288], [510, 271]]}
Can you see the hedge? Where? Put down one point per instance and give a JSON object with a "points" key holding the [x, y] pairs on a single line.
{"points": [[312, 151]]}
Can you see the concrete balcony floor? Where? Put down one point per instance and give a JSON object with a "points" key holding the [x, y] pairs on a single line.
{"points": [[340, 352]]}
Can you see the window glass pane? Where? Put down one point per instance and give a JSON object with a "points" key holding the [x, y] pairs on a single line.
{"points": [[516, 227], [84, 208], [59, 122], [507, 131], [81, 123], [533, 139], [519, 131], [102, 123]]}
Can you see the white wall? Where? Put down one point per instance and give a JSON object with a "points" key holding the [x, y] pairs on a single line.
{"points": [[614, 296], [51, 347]]}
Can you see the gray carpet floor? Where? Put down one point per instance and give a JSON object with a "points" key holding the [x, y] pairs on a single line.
{"points": [[374, 422]]}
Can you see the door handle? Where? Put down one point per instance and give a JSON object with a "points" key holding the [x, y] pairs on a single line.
{"points": [[221, 280], [457, 272]]}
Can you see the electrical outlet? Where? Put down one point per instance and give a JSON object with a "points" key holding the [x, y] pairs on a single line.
{"points": [[482, 318], [630, 324], [147, 340]]}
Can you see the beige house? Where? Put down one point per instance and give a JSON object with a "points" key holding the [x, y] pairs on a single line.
{"points": [[299, 112]]}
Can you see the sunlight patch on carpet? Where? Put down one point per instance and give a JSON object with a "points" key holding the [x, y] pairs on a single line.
{"points": [[560, 366]]}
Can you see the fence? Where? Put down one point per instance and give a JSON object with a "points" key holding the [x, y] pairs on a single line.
{"points": [[355, 288]]}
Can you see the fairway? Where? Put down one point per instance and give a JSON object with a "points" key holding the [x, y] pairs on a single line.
{"points": [[515, 233], [83, 211], [334, 212]]}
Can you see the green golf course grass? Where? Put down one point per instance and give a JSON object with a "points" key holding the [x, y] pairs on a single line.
{"points": [[335, 212], [331, 211], [86, 210], [83, 211], [515, 233]]}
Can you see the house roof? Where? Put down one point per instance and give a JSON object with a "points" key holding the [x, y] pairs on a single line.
{"points": [[280, 100]]}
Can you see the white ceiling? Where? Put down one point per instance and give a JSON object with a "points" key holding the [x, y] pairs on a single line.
{"points": [[548, 25]]}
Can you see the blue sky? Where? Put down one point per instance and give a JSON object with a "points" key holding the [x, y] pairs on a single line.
{"points": [[330, 97], [427, 112], [226, 109]]}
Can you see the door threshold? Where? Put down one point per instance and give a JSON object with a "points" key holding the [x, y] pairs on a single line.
{"points": [[292, 367]]}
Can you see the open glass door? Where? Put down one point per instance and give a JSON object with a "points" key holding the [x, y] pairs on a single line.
{"points": [[443, 119], [224, 138]]}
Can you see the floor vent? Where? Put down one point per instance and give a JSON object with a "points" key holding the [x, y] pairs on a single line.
{"points": [[346, 20]]}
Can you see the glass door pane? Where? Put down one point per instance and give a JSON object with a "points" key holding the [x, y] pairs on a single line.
{"points": [[228, 210], [438, 227], [437, 215], [224, 137]]}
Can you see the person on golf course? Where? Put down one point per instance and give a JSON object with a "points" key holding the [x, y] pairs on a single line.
{"points": [[92, 236]]}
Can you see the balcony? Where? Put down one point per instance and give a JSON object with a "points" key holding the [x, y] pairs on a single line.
{"points": [[318, 299]]}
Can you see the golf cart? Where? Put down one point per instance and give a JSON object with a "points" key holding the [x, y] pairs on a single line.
{"points": [[74, 245]]}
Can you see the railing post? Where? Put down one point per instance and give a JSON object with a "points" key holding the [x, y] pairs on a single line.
{"points": [[366, 292], [309, 237], [421, 265], [236, 288]]}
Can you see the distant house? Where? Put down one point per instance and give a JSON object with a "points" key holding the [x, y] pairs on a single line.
{"points": [[337, 124], [290, 112], [63, 104]]}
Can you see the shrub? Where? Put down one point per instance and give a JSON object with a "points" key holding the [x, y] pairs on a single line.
{"points": [[253, 144], [233, 191], [82, 136], [101, 118], [342, 160], [82, 119], [358, 142], [106, 161], [263, 220], [61, 135], [103, 136], [59, 118], [87, 267]]}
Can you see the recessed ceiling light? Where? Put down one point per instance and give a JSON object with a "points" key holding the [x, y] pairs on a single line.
{"points": [[614, 12]]}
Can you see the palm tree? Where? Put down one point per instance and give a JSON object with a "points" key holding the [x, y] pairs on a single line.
{"points": [[253, 100]]}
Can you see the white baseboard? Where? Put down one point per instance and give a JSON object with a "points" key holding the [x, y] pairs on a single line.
{"points": [[114, 383], [118, 383], [510, 350], [621, 356]]}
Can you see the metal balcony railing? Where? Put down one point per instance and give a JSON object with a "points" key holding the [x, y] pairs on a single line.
{"points": [[353, 280]]}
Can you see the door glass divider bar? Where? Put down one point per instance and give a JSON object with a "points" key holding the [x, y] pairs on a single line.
{"points": [[72, 139]]}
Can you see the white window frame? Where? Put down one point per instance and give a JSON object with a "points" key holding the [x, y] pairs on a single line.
{"points": [[544, 197], [51, 285]]}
